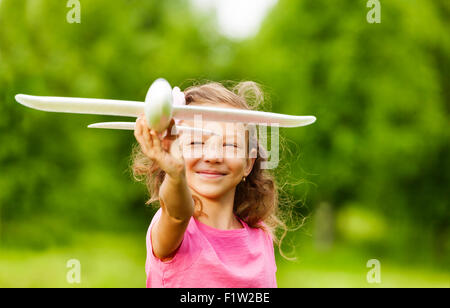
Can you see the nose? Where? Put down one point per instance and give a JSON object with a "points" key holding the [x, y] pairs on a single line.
{"points": [[213, 151]]}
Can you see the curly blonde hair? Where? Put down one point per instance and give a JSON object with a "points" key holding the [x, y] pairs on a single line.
{"points": [[256, 199]]}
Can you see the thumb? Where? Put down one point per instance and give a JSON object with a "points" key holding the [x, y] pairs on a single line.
{"points": [[170, 135], [171, 131]]}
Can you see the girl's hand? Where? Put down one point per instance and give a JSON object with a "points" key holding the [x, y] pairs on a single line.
{"points": [[165, 151]]}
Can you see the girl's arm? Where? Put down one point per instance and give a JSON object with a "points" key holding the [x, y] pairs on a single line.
{"points": [[176, 210], [177, 206]]}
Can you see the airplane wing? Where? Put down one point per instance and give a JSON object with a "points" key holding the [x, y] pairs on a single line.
{"points": [[82, 105], [130, 126], [183, 112], [241, 115]]}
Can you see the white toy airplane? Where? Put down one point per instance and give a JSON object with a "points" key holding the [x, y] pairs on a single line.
{"points": [[159, 108]]}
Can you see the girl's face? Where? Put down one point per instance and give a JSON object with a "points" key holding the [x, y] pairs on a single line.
{"points": [[215, 164]]}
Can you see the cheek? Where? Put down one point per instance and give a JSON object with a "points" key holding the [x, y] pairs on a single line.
{"points": [[235, 165], [189, 163]]}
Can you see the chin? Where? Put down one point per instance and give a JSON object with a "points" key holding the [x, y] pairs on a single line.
{"points": [[208, 191]]}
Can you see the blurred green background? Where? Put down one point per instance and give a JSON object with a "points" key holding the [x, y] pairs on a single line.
{"points": [[372, 171]]}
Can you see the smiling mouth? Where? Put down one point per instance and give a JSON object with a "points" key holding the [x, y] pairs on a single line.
{"points": [[210, 175]]}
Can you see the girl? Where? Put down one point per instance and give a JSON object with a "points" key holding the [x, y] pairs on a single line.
{"points": [[217, 214]]}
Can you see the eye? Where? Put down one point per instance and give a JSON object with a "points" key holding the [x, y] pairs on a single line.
{"points": [[231, 144], [196, 142]]}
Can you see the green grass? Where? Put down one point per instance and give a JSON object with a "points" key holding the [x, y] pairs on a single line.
{"points": [[391, 277], [111, 260], [107, 260], [345, 266]]}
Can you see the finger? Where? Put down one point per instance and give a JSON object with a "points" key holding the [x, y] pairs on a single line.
{"points": [[145, 146], [170, 135], [166, 144], [141, 144], [147, 137], [138, 128], [138, 133], [171, 130], [155, 139]]}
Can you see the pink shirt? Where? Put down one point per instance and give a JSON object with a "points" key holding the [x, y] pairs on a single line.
{"points": [[213, 258]]}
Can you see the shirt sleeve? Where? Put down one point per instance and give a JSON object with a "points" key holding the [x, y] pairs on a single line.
{"points": [[184, 256], [270, 245]]}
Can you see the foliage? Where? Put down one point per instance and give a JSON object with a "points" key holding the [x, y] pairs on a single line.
{"points": [[378, 153]]}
